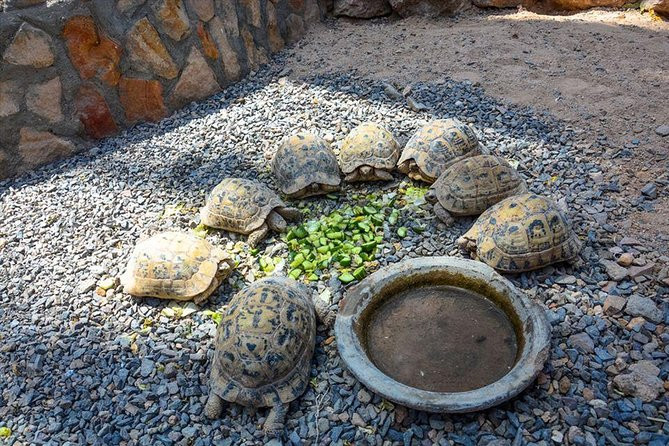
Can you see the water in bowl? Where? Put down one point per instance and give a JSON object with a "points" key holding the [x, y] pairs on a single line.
{"points": [[441, 338]]}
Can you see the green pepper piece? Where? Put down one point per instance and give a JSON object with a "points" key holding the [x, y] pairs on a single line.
{"points": [[364, 226], [346, 278], [345, 261], [360, 273], [402, 231], [369, 246], [300, 232], [377, 219], [295, 273], [297, 261], [335, 235]]}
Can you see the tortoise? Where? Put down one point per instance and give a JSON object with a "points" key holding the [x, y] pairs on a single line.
{"points": [[305, 165], [472, 185], [264, 345], [247, 207], [435, 146], [521, 233], [176, 265], [369, 153]]}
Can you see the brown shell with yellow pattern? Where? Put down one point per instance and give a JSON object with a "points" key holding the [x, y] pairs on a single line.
{"points": [[264, 344], [176, 265], [369, 145], [435, 146], [239, 205], [522, 233], [305, 165], [473, 184]]}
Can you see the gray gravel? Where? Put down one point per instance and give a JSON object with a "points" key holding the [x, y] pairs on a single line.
{"points": [[83, 363]]}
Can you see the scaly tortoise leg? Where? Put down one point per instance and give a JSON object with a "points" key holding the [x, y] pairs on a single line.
{"points": [[443, 214], [214, 406], [383, 175], [257, 235], [352, 177], [274, 424], [290, 214]]}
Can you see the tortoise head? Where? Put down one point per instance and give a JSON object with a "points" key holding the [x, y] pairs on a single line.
{"points": [[366, 171], [431, 195]]}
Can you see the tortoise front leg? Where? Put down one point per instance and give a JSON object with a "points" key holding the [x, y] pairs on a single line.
{"points": [[323, 312], [383, 175], [257, 235], [443, 214], [214, 406], [290, 214], [274, 423], [352, 177]]}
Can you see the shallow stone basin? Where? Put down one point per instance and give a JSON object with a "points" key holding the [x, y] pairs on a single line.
{"points": [[379, 327]]}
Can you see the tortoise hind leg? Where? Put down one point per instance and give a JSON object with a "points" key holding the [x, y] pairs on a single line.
{"points": [[257, 235], [214, 406], [274, 423]]}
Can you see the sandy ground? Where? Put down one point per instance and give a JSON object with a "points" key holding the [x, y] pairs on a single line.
{"points": [[605, 72]]}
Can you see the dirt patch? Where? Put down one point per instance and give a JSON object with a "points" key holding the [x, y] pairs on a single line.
{"points": [[605, 72]]}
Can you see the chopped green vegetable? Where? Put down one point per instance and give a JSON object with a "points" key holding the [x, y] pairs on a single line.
{"points": [[338, 235], [200, 230], [345, 239], [345, 260], [300, 232], [369, 246], [360, 273], [297, 261], [402, 231]]}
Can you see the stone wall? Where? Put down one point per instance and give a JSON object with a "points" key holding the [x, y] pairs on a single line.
{"points": [[77, 70]]}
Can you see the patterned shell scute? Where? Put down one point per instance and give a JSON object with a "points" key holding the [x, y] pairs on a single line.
{"points": [[440, 143], [525, 232], [239, 205], [172, 264], [264, 344], [303, 159], [472, 185], [369, 144]]}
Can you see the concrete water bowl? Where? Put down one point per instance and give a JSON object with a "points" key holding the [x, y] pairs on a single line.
{"points": [[442, 334]]}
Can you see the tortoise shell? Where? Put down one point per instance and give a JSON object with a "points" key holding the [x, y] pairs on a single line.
{"points": [[239, 205], [369, 144], [437, 145], [522, 233], [304, 159], [473, 184], [175, 265], [264, 344]]}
